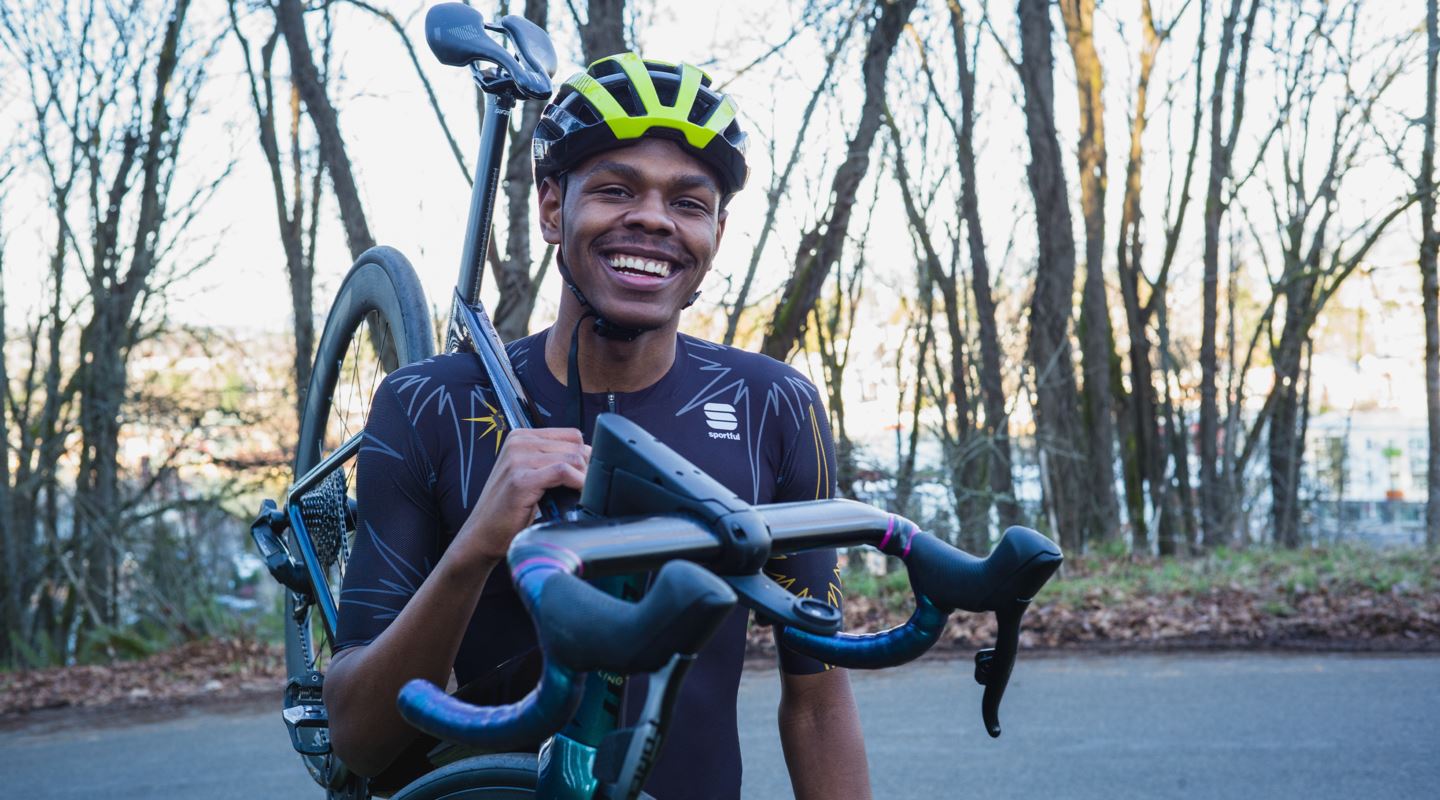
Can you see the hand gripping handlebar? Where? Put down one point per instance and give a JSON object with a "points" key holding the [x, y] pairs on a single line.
{"points": [[580, 629]]}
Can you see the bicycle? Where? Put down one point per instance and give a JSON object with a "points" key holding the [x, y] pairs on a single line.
{"points": [[643, 509]]}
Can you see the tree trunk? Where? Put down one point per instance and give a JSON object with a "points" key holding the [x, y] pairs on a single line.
{"points": [[10, 534], [1096, 338], [1285, 445], [1429, 280], [288, 15], [1214, 499], [514, 276], [1062, 448], [821, 249], [992, 387], [603, 31], [1145, 465]]}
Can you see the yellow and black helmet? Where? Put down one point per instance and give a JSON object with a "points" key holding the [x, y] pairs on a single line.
{"points": [[621, 98]]}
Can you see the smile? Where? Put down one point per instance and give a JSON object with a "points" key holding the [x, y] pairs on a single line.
{"points": [[637, 265]]}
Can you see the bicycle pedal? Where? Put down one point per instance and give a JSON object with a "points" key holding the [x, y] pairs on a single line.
{"points": [[303, 718]]}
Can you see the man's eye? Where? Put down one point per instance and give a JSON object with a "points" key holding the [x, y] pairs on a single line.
{"points": [[691, 205]]}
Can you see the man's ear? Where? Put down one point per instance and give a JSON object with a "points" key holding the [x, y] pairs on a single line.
{"points": [[550, 197]]}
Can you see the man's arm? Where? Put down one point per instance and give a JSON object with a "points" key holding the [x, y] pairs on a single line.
{"points": [[820, 734], [366, 728]]}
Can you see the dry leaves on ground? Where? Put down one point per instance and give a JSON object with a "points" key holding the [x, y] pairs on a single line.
{"points": [[197, 669]]}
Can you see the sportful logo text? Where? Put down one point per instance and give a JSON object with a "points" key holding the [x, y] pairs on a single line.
{"points": [[721, 419]]}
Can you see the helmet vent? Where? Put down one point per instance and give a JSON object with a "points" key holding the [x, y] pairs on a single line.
{"points": [[585, 113], [625, 95], [666, 89], [604, 67], [700, 111]]}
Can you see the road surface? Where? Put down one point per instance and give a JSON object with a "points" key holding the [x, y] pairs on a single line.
{"points": [[1076, 726]]}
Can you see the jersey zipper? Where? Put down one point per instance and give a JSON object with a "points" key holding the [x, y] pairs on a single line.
{"points": [[610, 400]]}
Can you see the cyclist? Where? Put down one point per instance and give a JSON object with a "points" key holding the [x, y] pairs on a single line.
{"points": [[635, 162]]}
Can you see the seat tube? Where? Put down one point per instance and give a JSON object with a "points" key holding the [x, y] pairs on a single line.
{"points": [[482, 193]]}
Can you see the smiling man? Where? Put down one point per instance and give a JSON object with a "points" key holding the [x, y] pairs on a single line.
{"points": [[635, 162]]}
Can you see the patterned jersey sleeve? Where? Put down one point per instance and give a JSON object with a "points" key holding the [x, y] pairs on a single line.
{"points": [[397, 529], [807, 473]]}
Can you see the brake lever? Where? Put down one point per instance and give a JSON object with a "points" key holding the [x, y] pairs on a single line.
{"points": [[993, 665]]}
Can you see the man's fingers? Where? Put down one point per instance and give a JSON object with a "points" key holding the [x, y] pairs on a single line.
{"points": [[547, 476], [530, 456], [533, 441], [548, 434]]}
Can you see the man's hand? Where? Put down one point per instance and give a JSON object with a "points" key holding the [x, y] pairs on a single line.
{"points": [[531, 461], [365, 726]]}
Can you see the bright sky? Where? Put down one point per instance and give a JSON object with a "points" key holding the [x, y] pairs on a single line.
{"points": [[416, 199]]}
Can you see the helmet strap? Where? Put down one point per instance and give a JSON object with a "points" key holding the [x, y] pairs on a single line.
{"points": [[575, 413]]}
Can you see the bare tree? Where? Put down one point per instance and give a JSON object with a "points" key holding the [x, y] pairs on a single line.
{"points": [[1145, 451], [781, 182], [1313, 255], [1096, 338], [992, 387], [293, 197], [307, 78], [112, 105], [918, 339], [964, 455], [1425, 187], [1214, 497], [10, 537], [833, 332], [1062, 446], [822, 247]]}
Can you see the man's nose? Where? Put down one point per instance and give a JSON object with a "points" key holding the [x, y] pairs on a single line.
{"points": [[651, 213]]}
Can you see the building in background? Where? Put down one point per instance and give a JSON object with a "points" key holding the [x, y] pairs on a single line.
{"points": [[1367, 458]]}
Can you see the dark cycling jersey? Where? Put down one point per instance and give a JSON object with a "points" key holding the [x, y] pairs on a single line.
{"points": [[752, 423]]}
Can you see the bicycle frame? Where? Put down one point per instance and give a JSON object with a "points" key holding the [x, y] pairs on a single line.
{"points": [[566, 768]]}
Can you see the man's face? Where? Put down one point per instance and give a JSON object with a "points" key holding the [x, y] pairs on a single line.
{"points": [[638, 226]]}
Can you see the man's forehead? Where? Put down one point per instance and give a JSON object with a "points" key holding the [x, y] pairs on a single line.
{"points": [[643, 160]]}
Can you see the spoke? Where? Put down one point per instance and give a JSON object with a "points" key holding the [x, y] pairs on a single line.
{"points": [[380, 361]]}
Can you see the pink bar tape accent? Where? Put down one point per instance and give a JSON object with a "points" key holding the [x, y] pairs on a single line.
{"points": [[566, 555], [888, 530], [523, 566]]}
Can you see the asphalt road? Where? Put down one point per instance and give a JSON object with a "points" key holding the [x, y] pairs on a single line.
{"points": [[1142, 726]]}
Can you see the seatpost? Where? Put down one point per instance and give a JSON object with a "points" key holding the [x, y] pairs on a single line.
{"points": [[482, 195]]}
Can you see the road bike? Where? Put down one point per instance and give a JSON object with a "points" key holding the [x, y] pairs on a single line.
{"points": [[644, 511]]}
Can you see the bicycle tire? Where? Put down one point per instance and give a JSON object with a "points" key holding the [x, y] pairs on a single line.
{"points": [[382, 294], [503, 776]]}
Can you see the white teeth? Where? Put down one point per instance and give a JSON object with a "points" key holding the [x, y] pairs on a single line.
{"points": [[645, 265]]}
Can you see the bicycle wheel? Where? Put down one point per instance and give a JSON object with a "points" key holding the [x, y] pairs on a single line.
{"points": [[504, 776], [382, 297]]}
